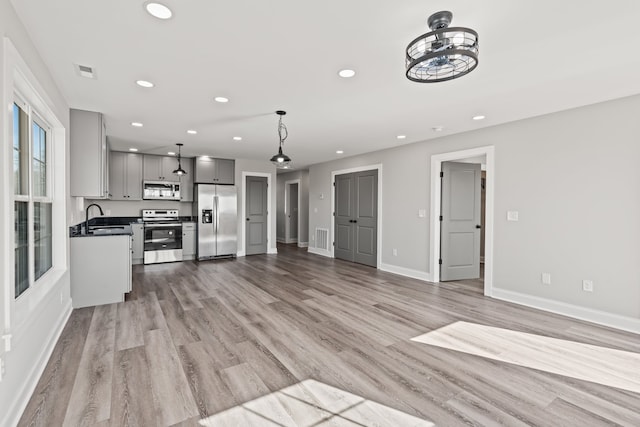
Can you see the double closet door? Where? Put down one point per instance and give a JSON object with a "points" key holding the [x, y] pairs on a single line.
{"points": [[356, 217]]}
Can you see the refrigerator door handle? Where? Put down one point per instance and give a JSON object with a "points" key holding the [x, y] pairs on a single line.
{"points": [[216, 214]]}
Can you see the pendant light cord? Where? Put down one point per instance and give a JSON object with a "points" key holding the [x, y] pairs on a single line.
{"points": [[282, 129]]}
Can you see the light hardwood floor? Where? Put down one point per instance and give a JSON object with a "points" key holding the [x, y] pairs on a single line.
{"points": [[303, 340]]}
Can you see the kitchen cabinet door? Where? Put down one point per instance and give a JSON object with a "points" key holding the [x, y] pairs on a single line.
{"points": [[186, 181], [188, 240], [125, 176], [137, 243], [214, 171], [89, 154], [152, 168]]}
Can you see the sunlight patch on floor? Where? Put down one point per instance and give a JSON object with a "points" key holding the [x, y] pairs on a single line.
{"points": [[615, 368], [312, 403]]}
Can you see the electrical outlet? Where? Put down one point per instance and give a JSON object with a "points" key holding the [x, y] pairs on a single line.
{"points": [[107, 212], [546, 278], [1, 368], [395, 252], [587, 285]]}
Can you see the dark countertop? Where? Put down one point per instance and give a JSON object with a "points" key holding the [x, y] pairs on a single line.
{"points": [[112, 226]]}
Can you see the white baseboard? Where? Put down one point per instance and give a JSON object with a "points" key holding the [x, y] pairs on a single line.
{"points": [[317, 251], [33, 376], [303, 244], [272, 250], [590, 315], [408, 272], [280, 240], [240, 253]]}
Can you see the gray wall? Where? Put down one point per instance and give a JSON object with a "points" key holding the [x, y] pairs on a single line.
{"points": [[303, 176], [36, 327], [133, 208], [573, 177]]}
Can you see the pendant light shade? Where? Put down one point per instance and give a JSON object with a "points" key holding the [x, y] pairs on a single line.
{"points": [[179, 171], [442, 54], [281, 160]]}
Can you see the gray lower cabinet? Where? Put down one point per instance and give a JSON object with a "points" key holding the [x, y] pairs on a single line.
{"points": [[188, 240], [137, 244], [214, 171], [125, 176], [100, 269]]}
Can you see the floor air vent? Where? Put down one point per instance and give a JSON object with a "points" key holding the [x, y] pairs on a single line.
{"points": [[322, 238]]}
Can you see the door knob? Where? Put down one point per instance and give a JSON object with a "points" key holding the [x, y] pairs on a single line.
{"points": [[478, 226], [247, 219]]}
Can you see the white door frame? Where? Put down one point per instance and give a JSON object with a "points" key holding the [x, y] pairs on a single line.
{"points": [[436, 193], [377, 167], [243, 209], [287, 222]]}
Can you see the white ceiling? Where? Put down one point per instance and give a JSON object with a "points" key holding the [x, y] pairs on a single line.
{"points": [[536, 57]]}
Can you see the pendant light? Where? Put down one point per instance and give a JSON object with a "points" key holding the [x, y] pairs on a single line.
{"points": [[179, 171], [442, 54], [281, 160]]}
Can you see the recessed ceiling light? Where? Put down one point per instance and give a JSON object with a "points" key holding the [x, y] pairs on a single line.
{"points": [[480, 117], [237, 138], [437, 128], [133, 149], [339, 152], [144, 83], [192, 132], [221, 99], [401, 136], [158, 10], [346, 73], [136, 124], [171, 153]]}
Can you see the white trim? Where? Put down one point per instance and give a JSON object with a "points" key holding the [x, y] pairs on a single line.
{"points": [[303, 244], [377, 167], [320, 252], [33, 376], [408, 272], [434, 248], [624, 323], [240, 253], [245, 174], [287, 222]]}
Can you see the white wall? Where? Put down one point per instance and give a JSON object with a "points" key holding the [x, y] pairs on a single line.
{"points": [[572, 176], [36, 322], [303, 215]]}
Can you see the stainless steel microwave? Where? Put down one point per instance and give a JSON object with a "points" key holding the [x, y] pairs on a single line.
{"points": [[160, 190]]}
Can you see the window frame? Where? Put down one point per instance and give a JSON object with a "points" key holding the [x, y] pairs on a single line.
{"points": [[33, 116]]}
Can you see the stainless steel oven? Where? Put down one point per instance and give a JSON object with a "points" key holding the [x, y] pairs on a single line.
{"points": [[162, 236]]}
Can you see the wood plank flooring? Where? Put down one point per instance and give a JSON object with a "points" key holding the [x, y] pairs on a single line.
{"points": [[296, 339]]}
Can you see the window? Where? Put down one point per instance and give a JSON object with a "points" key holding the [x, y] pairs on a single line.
{"points": [[32, 197]]}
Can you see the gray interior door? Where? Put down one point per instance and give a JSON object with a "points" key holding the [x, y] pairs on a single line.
{"points": [[293, 212], [460, 221], [356, 217], [256, 207]]}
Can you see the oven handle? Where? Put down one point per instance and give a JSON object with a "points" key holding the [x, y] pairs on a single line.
{"points": [[162, 225]]}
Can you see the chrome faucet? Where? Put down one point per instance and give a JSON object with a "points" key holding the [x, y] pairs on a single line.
{"points": [[86, 222]]}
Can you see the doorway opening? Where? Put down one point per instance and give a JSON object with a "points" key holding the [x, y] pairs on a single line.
{"points": [[478, 155], [292, 211]]}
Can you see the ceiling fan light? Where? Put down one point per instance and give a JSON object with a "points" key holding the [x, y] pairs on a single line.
{"points": [[442, 54]]}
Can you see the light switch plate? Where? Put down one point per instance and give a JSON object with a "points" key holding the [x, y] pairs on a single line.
{"points": [[546, 278], [512, 215], [422, 213]]}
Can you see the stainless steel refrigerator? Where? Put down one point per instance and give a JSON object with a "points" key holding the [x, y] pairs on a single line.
{"points": [[217, 212]]}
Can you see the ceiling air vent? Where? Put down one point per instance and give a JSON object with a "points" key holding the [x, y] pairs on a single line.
{"points": [[85, 71]]}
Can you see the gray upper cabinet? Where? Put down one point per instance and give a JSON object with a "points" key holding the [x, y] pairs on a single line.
{"points": [[214, 171], [160, 168], [89, 155], [125, 176], [186, 181]]}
